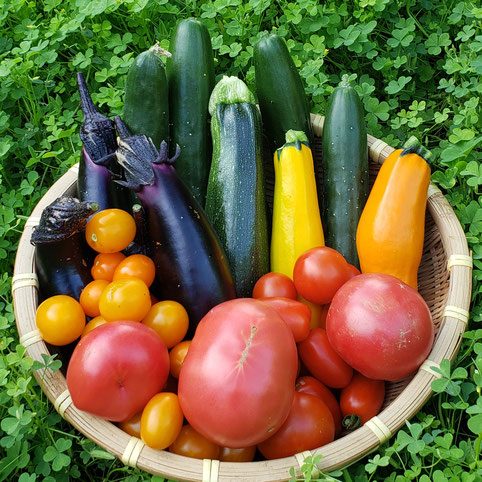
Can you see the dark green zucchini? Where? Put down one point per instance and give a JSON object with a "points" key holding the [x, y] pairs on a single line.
{"points": [[190, 75], [235, 200], [146, 105], [345, 170], [282, 99]]}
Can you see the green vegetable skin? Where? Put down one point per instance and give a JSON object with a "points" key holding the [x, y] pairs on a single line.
{"points": [[282, 99], [146, 109], [190, 74], [235, 201], [345, 170]]}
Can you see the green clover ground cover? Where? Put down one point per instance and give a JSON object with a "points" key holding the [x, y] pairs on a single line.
{"points": [[418, 67]]}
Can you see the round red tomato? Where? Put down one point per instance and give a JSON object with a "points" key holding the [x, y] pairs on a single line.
{"points": [[294, 313], [274, 284], [244, 454], [319, 273], [191, 443], [380, 326], [309, 425], [312, 386], [354, 271], [115, 370], [362, 398], [322, 361], [237, 382]]}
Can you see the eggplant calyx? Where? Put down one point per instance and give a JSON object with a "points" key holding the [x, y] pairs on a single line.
{"points": [[163, 157], [135, 153], [62, 219]]}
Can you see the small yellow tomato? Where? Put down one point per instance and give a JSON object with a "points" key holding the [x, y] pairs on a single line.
{"points": [[169, 320], [89, 298], [60, 320], [176, 357], [136, 266], [161, 420], [132, 426], [93, 323], [110, 230], [125, 299], [191, 443]]}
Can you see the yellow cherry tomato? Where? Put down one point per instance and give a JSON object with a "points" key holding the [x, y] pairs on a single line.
{"points": [[133, 425], [110, 230], [176, 357], [60, 320], [136, 266], [105, 265], [169, 320], [161, 420], [93, 323], [89, 298], [191, 443], [125, 299]]}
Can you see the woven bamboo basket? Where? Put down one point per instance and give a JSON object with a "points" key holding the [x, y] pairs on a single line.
{"points": [[445, 277]]}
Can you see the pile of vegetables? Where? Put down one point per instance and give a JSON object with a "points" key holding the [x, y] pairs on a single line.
{"points": [[220, 326]]}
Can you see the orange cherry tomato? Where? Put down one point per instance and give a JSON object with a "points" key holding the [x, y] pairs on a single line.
{"points": [[169, 320], [176, 357], [93, 323], [245, 454], [133, 425], [136, 266], [191, 443], [110, 230], [274, 284], [105, 265], [89, 298], [161, 420], [60, 320], [125, 299]]}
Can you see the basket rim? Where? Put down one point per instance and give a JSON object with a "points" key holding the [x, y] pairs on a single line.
{"points": [[353, 446]]}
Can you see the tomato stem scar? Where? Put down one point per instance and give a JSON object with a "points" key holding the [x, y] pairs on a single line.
{"points": [[248, 344]]}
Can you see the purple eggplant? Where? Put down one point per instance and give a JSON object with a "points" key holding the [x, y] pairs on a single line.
{"points": [[62, 256], [98, 166], [191, 266]]}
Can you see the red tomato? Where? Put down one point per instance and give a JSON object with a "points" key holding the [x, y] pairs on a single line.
{"points": [[309, 425], [354, 271], [245, 454], [115, 370], [322, 361], [294, 313], [161, 421], [319, 273], [324, 314], [191, 443], [236, 385], [312, 386], [380, 326], [362, 398], [274, 285]]}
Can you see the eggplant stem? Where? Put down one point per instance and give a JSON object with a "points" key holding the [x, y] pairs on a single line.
{"points": [[88, 107], [122, 129]]}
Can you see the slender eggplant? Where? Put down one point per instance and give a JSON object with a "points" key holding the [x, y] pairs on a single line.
{"points": [[191, 266], [97, 163], [61, 255]]}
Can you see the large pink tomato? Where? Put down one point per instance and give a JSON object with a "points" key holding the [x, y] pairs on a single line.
{"points": [[237, 382], [116, 369], [380, 326]]}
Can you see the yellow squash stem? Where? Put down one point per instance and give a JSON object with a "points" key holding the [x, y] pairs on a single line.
{"points": [[390, 232], [296, 215]]}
